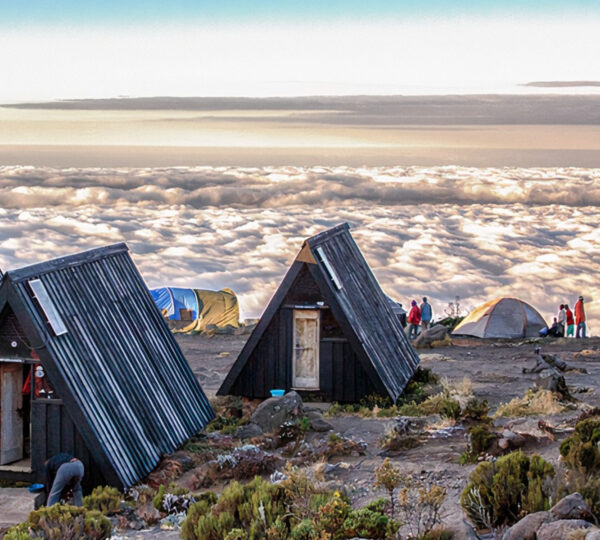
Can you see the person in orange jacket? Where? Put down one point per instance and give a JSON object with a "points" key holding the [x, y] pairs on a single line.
{"points": [[414, 320], [580, 318]]}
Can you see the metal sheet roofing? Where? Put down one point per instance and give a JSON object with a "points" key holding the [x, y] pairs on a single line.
{"points": [[117, 364], [366, 307]]}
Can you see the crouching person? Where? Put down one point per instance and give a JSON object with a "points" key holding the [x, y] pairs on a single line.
{"points": [[64, 474]]}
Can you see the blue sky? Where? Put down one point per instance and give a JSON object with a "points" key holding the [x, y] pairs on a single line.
{"points": [[112, 12], [70, 49]]}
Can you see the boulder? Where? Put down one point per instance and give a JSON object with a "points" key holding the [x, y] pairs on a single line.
{"points": [[248, 431], [526, 528], [593, 535], [463, 530], [317, 421], [572, 507], [554, 383], [511, 440], [272, 413], [559, 530], [437, 333]]}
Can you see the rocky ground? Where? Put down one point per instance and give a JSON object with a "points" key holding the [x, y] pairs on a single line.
{"points": [[494, 369], [489, 370]]}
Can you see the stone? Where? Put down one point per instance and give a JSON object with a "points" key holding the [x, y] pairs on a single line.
{"points": [[559, 530], [273, 412], [526, 528], [147, 513], [572, 507], [594, 534], [318, 422], [437, 333], [15, 506], [248, 431], [463, 530]]}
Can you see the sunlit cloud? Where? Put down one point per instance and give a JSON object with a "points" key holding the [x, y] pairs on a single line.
{"points": [[440, 232]]}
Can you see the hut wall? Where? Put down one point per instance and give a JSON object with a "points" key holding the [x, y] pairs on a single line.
{"points": [[53, 432]]}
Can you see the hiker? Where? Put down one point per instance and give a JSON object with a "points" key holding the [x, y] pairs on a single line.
{"points": [[570, 321], [555, 329], [580, 318], [426, 314], [561, 318], [64, 474], [414, 319]]}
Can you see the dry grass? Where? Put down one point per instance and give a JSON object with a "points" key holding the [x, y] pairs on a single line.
{"points": [[532, 403]]}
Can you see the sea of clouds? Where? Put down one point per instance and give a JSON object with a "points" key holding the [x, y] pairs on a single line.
{"points": [[476, 233]]}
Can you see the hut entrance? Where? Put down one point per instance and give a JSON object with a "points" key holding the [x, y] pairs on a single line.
{"points": [[305, 373], [11, 412]]}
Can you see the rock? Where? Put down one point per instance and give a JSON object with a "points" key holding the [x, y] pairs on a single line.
{"points": [[511, 440], [437, 333], [572, 507], [554, 383], [147, 513], [248, 431], [526, 528], [273, 412], [463, 530], [594, 534], [318, 422], [559, 530]]}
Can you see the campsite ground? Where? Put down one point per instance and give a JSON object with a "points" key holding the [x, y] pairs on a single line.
{"points": [[494, 369]]}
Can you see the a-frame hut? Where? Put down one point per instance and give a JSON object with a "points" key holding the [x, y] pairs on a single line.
{"points": [[328, 331], [116, 390]]}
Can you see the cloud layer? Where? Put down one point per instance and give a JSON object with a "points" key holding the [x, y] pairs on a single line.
{"points": [[440, 232]]}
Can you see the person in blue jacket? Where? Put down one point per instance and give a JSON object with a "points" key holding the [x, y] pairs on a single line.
{"points": [[426, 314]]}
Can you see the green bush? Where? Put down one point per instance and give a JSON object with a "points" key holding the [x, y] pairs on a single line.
{"points": [[581, 455], [62, 522], [104, 499], [580, 451], [476, 410], [254, 508], [500, 493], [367, 523], [18, 532]]}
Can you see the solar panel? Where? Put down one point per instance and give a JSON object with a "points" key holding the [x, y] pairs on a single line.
{"points": [[329, 268], [41, 295]]}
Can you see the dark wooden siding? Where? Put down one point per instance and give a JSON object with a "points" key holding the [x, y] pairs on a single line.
{"points": [[342, 378], [269, 366], [54, 432], [11, 332]]}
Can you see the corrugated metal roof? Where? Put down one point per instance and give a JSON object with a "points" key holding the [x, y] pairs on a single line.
{"points": [[347, 281], [367, 308], [118, 360]]}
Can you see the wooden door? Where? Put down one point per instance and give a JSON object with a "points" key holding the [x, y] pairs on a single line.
{"points": [[305, 372], [11, 423]]}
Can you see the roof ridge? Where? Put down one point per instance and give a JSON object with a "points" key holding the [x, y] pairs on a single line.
{"points": [[75, 259]]}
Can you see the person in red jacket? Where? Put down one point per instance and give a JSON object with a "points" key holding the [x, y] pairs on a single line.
{"points": [[580, 318], [570, 321], [414, 320]]}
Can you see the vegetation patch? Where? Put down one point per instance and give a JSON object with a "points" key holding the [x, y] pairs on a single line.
{"points": [[104, 499], [533, 402], [501, 493], [62, 522]]}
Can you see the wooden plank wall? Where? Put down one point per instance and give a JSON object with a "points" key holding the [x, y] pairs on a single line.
{"points": [[342, 377], [52, 432]]}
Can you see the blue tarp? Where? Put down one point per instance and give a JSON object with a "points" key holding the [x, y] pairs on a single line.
{"points": [[171, 301]]}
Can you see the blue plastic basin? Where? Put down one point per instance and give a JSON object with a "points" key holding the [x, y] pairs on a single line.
{"points": [[277, 393], [36, 488]]}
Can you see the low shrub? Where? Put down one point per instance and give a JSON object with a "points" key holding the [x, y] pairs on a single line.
{"points": [[420, 506], [479, 440], [533, 402], [367, 523], [476, 410], [440, 404], [104, 499], [581, 456], [62, 522], [501, 493]]}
